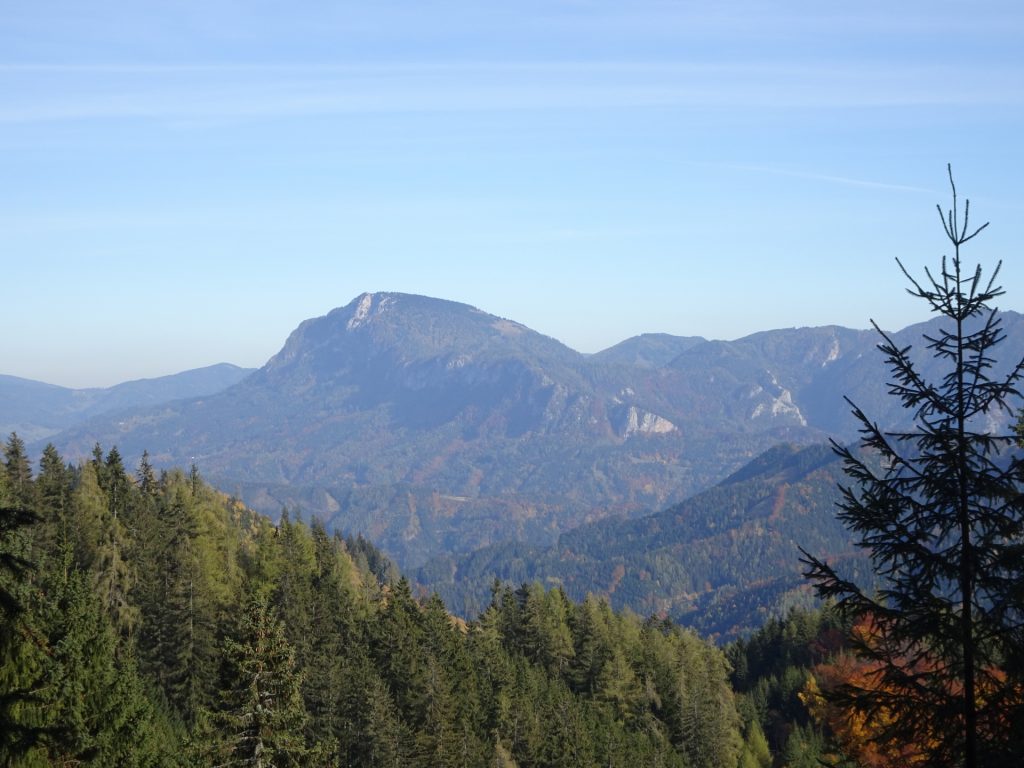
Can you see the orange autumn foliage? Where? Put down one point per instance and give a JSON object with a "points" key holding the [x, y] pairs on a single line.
{"points": [[858, 734], [871, 737]]}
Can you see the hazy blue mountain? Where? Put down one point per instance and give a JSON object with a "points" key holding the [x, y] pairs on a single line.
{"points": [[720, 561], [433, 427], [805, 373], [36, 410], [649, 350]]}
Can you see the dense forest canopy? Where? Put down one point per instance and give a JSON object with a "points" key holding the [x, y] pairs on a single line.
{"points": [[150, 620]]}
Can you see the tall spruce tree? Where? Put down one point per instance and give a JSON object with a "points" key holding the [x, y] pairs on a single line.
{"points": [[92, 703], [938, 506], [263, 719], [54, 486], [175, 646], [18, 472], [19, 659]]}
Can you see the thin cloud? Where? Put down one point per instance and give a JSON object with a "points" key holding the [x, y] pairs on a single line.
{"points": [[828, 178], [49, 93]]}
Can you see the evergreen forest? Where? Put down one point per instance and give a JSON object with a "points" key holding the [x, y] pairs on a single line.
{"points": [[150, 620]]}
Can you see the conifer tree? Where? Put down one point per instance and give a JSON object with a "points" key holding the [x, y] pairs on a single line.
{"points": [[100, 539], [617, 685], [592, 643], [115, 482], [54, 486], [397, 645], [15, 564], [938, 507], [262, 720], [19, 473], [755, 748], [439, 741], [386, 738], [19, 658], [92, 703], [545, 634], [330, 640], [293, 596], [145, 476], [175, 647], [98, 464]]}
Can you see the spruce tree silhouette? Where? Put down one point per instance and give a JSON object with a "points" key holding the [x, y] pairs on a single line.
{"points": [[939, 508]]}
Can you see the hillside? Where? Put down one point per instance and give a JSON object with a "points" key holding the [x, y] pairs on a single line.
{"points": [[721, 561], [36, 410], [648, 350], [436, 428], [163, 624]]}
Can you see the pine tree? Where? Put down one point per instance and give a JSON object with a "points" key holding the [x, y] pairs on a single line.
{"points": [[709, 723], [803, 749], [93, 703], [939, 509], [397, 645], [65, 696], [293, 595], [330, 642], [145, 476], [755, 752], [20, 489], [194, 480], [385, 738], [592, 643], [100, 539], [54, 486], [262, 720], [545, 634], [175, 647], [20, 659], [15, 565], [439, 741]]}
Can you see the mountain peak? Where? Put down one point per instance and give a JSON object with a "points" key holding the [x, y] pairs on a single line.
{"points": [[364, 304], [382, 330], [368, 307]]}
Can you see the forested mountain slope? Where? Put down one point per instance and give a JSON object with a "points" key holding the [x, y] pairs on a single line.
{"points": [[149, 620], [435, 428], [36, 410], [648, 350], [721, 561]]}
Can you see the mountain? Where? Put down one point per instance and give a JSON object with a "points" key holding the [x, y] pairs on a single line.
{"points": [[429, 426], [805, 374], [36, 410], [435, 428], [721, 561], [649, 350]]}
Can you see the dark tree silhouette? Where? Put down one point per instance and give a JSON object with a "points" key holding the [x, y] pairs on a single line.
{"points": [[938, 507]]}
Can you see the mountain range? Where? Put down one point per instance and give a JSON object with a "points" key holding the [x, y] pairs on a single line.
{"points": [[36, 410], [435, 428], [722, 561]]}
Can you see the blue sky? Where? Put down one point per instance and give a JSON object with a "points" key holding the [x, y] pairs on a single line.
{"points": [[183, 183]]}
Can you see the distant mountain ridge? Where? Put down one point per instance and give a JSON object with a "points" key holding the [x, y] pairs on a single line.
{"points": [[721, 561], [433, 427], [36, 410], [648, 350]]}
